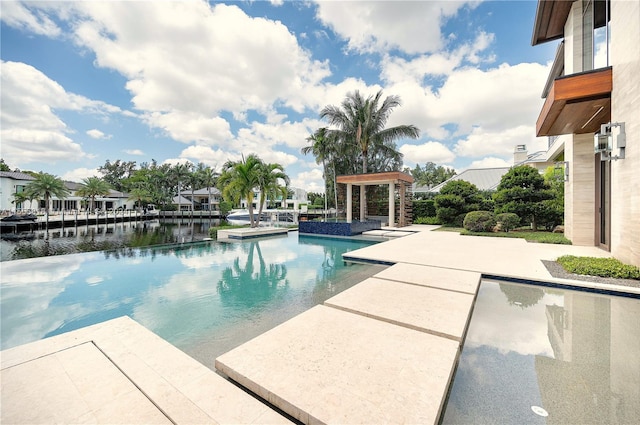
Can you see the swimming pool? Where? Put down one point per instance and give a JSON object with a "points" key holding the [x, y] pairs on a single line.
{"points": [[205, 298], [536, 355]]}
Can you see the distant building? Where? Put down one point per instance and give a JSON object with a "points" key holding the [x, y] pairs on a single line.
{"points": [[12, 182], [482, 178]]}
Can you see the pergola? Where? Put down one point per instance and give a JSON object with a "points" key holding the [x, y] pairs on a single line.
{"points": [[391, 178]]}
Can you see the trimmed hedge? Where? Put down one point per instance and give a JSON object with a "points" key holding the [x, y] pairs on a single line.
{"points": [[479, 221], [508, 221], [424, 208], [603, 267], [427, 220]]}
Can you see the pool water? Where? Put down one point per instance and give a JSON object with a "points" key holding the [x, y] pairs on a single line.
{"points": [[205, 298], [536, 355]]}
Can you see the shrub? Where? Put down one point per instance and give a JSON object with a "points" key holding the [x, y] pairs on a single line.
{"points": [[424, 208], [603, 267], [508, 221], [479, 221], [427, 220], [550, 213], [448, 207]]}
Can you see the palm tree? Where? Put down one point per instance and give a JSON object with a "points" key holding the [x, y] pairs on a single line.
{"points": [[239, 178], [209, 177], [140, 196], [92, 187], [180, 174], [361, 122], [324, 148], [269, 176], [46, 185]]}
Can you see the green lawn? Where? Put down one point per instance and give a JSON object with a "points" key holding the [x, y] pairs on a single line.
{"points": [[528, 235]]}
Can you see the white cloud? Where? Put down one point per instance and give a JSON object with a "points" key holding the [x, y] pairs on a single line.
{"points": [[19, 15], [31, 129], [133, 152], [434, 152], [490, 162], [499, 142], [372, 26], [78, 174], [97, 134], [209, 156], [258, 62], [311, 181]]}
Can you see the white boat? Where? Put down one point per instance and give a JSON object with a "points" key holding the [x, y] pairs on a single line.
{"points": [[268, 217]]}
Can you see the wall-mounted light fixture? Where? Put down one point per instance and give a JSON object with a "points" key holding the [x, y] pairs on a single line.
{"points": [[603, 141]]}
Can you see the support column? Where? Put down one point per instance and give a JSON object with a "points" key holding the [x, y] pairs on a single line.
{"points": [[402, 220], [363, 200], [349, 202], [392, 205]]}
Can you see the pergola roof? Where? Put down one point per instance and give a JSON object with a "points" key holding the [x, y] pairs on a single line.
{"points": [[375, 178]]}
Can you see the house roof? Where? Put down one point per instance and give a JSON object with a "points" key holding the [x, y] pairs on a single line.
{"points": [[205, 191], [16, 175], [183, 200], [482, 178]]}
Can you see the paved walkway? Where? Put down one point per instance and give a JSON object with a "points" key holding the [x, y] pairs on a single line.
{"points": [[381, 352]]}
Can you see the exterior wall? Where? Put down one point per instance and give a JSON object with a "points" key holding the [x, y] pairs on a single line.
{"points": [[579, 191], [625, 107], [7, 189]]}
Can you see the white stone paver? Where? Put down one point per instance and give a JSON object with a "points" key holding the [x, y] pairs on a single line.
{"points": [[436, 311], [118, 372], [331, 366], [435, 277]]}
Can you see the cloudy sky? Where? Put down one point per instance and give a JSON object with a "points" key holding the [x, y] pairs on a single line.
{"points": [[83, 82]]}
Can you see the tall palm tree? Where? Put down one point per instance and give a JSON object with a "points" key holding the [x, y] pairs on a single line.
{"points": [[140, 196], [361, 122], [269, 177], [239, 178], [45, 186], [181, 173], [208, 177], [324, 147], [92, 187]]}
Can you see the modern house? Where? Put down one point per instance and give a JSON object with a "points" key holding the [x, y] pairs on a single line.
{"points": [[12, 182], [591, 115], [294, 200]]}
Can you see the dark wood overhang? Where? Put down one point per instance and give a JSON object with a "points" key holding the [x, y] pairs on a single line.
{"points": [[376, 178], [551, 15], [577, 104]]}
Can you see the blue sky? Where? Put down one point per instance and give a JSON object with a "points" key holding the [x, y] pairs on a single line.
{"points": [[174, 81]]}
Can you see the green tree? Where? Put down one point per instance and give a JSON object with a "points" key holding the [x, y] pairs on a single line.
{"points": [[522, 191], [116, 173], [140, 196], [208, 177], [361, 123], [239, 178], [91, 188], [455, 199], [324, 147], [269, 178], [431, 174], [44, 187], [4, 166]]}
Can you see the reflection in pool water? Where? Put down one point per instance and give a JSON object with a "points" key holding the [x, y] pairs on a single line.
{"points": [[573, 354], [205, 298]]}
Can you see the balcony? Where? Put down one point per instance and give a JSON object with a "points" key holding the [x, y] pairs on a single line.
{"points": [[577, 104]]}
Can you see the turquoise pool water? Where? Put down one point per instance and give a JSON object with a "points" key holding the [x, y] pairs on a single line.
{"points": [[537, 355], [205, 298]]}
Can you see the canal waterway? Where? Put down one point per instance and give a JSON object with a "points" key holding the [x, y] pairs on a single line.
{"points": [[102, 237]]}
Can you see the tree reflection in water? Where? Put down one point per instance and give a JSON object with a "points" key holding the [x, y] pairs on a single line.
{"points": [[520, 295], [242, 284]]}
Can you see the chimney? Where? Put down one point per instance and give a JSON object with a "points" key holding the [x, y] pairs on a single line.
{"points": [[520, 154]]}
